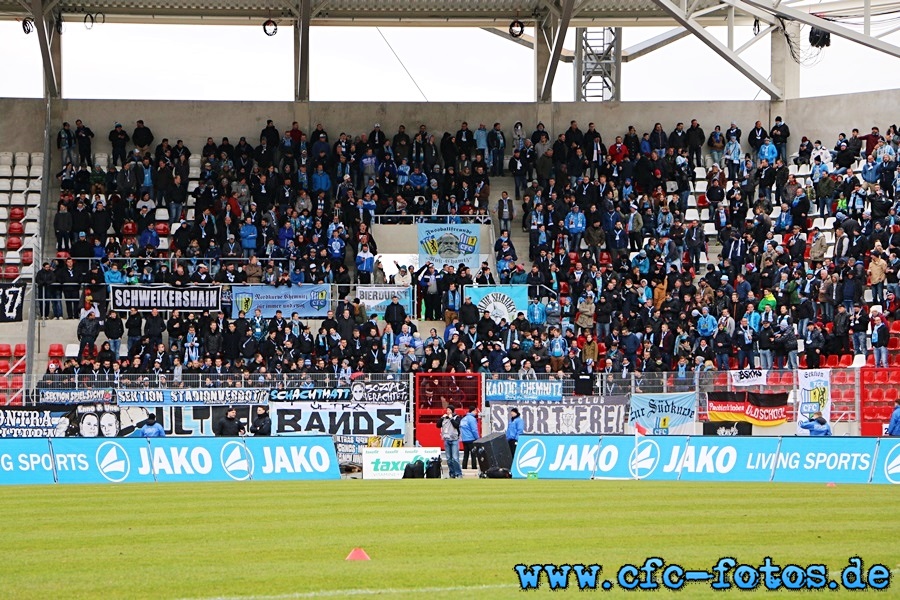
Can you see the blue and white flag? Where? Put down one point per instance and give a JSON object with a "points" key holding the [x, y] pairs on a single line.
{"points": [[663, 414]]}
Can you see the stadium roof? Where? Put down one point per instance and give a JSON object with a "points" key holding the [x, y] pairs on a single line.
{"points": [[365, 12], [551, 19]]}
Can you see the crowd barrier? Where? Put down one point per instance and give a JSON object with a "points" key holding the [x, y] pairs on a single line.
{"points": [[134, 460], [690, 458]]}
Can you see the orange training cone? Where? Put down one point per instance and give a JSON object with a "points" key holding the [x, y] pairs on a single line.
{"points": [[358, 554]]}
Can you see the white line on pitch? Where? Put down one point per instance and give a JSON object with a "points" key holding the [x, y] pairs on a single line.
{"points": [[365, 592]]}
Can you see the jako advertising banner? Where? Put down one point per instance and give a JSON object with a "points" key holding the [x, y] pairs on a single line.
{"points": [[308, 300], [686, 458], [388, 463], [449, 245], [73, 460]]}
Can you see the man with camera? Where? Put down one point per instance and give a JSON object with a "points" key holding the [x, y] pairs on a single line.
{"points": [[449, 424]]}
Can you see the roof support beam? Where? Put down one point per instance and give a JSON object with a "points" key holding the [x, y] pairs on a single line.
{"points": [[829, 26], [527, 41], [301, 51], [49, 55], [562, 27], [655, 43], [719, 48]]}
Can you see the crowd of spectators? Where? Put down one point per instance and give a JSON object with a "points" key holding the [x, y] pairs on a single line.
{"points": [[613, 268]]}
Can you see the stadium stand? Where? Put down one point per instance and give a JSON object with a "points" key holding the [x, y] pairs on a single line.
{"points": [[634, 257]]}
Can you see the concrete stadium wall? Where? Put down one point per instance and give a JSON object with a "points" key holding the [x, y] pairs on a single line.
{"points": [[22, 124], [193, 121], [21, 120], [824, 117]]}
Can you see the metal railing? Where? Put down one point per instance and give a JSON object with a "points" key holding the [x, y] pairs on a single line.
{"points": [[847, 385], [408, 219], [87, 379]]}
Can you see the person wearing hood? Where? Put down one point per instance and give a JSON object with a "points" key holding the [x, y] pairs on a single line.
{"points": [[151, 428], [514, 429], [468, 433], [817, 426], [262, 424]]}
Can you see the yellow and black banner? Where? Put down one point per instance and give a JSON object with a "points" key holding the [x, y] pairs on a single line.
{"points": [[766, 410]]}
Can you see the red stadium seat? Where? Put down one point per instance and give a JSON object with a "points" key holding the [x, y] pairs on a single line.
{"points": [[13, 242], [891, 394], [16, 214], [129, 228], [162, 228], [870, 360], [803, 361], [895, 326], [16, 228], [873, 395], [894, 343], [20, 367], [846, 360], [27, 257], [5, 351], [17, 383], [831, 361], [62, 255], [56, 351], [4, 366], [11, 272], [21, 350]]}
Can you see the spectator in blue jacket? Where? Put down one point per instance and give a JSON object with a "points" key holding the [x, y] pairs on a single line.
{"points": [[151, 428], [817, 426], [707, 324], [537, 314], [468, 433], [514, 430], [149, 237], [321, 182], [894, 426], [768, 151], [249, 234], [575, 224]]}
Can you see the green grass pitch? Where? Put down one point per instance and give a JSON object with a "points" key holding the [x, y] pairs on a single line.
{"points": [[426, 539]]}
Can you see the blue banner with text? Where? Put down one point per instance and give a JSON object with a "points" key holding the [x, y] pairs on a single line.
{"points": [[133, 460], [695, 458]]}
